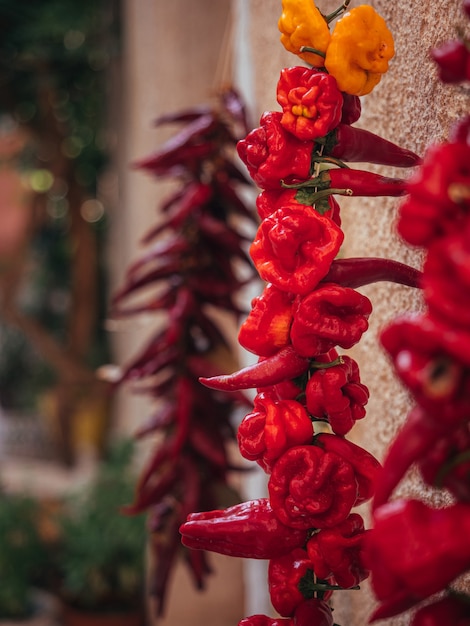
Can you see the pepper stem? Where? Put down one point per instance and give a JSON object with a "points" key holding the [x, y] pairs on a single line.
{"points": [[463, 457], [317, 365], [318, 158], [312, 51], [329, 18]]}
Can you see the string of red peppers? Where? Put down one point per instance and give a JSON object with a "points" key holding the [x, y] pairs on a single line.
{"points": [[430, 352], [188, 270], [308, 395]]}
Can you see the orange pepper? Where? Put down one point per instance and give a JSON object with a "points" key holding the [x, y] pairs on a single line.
{"points": [[360, 48], [301, 24]]}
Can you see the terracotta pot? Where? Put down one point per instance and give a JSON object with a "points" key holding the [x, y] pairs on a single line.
{"points": [[76, 617]]}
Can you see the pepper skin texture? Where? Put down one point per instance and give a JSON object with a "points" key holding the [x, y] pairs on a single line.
{"points": [[337, 552], [272, 154], [311, 102], [284, 576], [329, 316], [313, 612], [337, 395], [452, 610], [268, 201], [438, 201], [415, 551], [294, 248], [360, 48], [249, 530], [312, 488], [272, 428], [266, 329], [302, 24]]}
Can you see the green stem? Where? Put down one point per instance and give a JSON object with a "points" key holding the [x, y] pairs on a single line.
{"points": [[329, 18], [312, 51], [317, 365], [329, 159], [324, 193]]}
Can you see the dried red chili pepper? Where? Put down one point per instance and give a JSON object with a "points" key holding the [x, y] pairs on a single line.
{"points": [[415, 551], [438, 201], [329, 316], [360, 271], [337, 552], [432, 360], [337, 395], [365, 465], [312, 488], [358, 145], [272, 428], [283, 365], [248, 530], [294, 248], [352, 108], [272, 154], [311, 102], [352, 182], [313, 612], [452, 610], [285, 574], [453, 61], [269, 200], [266, 329]]}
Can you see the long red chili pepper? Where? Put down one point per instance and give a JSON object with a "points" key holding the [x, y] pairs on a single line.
{"points": [[362, 182], [360, 271], [361, 146], [283, 365]]}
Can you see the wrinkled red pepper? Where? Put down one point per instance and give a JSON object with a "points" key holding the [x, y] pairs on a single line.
{"points": [[266, 329], [338, 552], [415, 551], [285, 574], [337, 395], [272, 154], [312, 488], [294, 248], [272, 428], [311, 102], [269, 200], [248, 530], [329, 316], [439, 199]]}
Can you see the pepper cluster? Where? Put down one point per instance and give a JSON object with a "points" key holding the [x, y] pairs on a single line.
{"points": [[416, 551], [190, 268], [309, 396]]}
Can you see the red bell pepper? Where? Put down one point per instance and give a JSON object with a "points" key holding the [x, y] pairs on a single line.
{"points": [[329, 316], [272, 428], [311, 102], [269, 200], [312, 488], [313, 612], [285, 574], [337, 395], [294, 247], [248, 530], [272, 154], [338, 552]]}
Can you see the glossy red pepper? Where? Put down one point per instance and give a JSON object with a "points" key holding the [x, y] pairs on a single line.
{"points": [[266, 329], [451, 610], [313, 612], [248, 530], [337, 395], [311, 102], [294, 247], [272, 428], [352, 108], [360, 271], [264, 620], [415, 551], [432, 360], [284, 365], [285, 574], [329, 316], [357, 145], [269, 200], [453, 61], [312, 488], [272, 154], [438, 202], [338, 552]]}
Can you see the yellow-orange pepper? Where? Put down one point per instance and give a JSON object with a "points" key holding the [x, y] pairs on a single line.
{"points": [[360, 48], [302, 24]]}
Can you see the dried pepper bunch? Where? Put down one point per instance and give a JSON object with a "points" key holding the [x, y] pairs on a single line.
{"points": [[308, 391], [430, 354], [194, 263]]}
